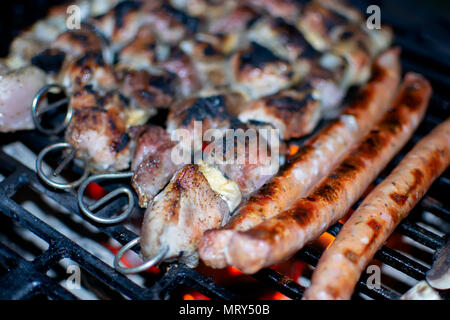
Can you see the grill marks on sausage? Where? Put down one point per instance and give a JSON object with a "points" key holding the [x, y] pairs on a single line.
{"points": [[122, 9], [257, 56]]}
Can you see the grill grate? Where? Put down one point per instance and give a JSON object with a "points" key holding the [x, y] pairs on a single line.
{"points": [[24, 279]]}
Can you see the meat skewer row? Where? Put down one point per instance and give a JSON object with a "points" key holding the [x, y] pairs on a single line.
{"points": [[378, 215], [313, 161], [281, 236]]}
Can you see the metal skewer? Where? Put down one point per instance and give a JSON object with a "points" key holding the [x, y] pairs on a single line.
{"points": [[144, 266], [88, 209], [37, 113]]}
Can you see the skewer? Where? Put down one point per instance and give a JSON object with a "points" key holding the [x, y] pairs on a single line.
{"points": [[88, 209], [145, 265], [36, 114], [61, 166]]}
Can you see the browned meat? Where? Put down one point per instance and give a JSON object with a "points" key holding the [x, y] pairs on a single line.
{"points": [[236, 21], [148, 90], [98, 133], [215, 112], [181, 64], [283, 39], [287, 9], [152, 164], [373, 222], [313, 161], [121, 23], [141, 52], [78, 42], [89, 68], [256, 71], [208, 9], [295, 113], [180, 214], [277, 238], [247, 156], [169, 24]]}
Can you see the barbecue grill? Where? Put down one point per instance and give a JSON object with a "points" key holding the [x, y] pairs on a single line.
{"points": [[31, 265]]}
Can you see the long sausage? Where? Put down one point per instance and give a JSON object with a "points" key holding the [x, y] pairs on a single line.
{"points": [[278, 238], [373, 222], [314, 160]]}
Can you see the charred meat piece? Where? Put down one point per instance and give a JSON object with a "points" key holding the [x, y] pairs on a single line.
{"points": [[141, 52], [99, 134], [287, 9], [121, 23], [152, 163], [214, 112], [179, 63], [282, 38], [78, 42], [245, 155], [148, 90], [257, 71], [180, 214], [317, 24], [295, 113], [17, 91], [91, 69], [169, 24], [236, 21], [208, 9]]}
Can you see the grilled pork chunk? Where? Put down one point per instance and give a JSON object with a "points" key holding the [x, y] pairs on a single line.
{"points": [[91, 69], [245, 156], [257, 72], [17, 91], [295, 113], [99, 132], [180, 214], [152, 164]]}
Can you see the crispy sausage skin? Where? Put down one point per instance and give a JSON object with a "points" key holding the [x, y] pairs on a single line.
{"points": [[313, 161], [378, 215], [280, 237]]}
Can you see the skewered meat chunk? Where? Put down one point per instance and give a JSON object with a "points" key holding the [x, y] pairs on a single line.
{"points": [[152, 164], [180, 214], [256, 72], [236, 21], [121, 23], [245, 155], [99, 134], [140, 53], [208, 9], [148, 90], [182, 65], [75, 43], [287, 9], [89, 69], [17, 90], [215, 112], [169, 24], [281, 38], [295, 113]]}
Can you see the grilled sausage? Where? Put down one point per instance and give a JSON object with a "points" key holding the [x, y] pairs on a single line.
{"points": [[313, 161], [281, 236], [372, 223]]}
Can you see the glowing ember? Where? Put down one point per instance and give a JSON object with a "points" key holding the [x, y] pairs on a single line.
{"points": [[194, 295]]}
